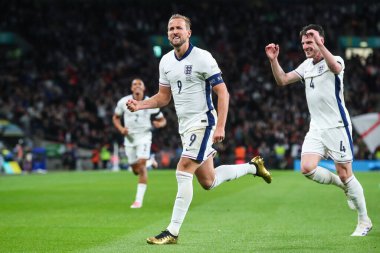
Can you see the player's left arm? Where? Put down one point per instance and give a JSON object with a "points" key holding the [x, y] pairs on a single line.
{"points": [[331, 61], [223, 101]]}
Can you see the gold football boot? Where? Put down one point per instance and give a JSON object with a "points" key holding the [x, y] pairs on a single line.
{"points": [[164, 238], [261, 171]]}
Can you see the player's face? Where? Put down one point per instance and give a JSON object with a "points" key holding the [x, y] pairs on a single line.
{"points": [[137, 87], [309, 47], [178, 34]]}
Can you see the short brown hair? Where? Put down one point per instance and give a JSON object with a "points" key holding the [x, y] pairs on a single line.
{"points": [[318, 28], [187, 20]]}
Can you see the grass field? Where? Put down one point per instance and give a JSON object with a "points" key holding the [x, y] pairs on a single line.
{"points": [[89, 212]]}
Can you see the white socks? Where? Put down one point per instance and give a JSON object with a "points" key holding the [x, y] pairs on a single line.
{"points": [[185, 190], [141, 188], [356, 194], [182, 201], [324, 176], [352, 187], [225, 173]]}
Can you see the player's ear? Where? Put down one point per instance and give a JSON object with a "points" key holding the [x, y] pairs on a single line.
{"points": [[189, 32], [323, 40]]}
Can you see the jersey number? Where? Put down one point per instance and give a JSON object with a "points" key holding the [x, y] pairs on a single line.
{"points": [[312, 84], [342, 148], [192, 139], [179, 84]]}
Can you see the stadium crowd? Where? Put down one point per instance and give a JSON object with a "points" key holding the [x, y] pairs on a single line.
{"points": [[83, 55]]}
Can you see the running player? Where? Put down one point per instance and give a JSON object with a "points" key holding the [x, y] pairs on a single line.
{"points": [[190, 75], [330, 132], [138, 136]]}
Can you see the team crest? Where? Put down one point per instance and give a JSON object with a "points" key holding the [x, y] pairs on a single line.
{"points": [[320, 69], [188, 69]]}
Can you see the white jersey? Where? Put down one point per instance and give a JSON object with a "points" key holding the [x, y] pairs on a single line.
{"points": [[138, 123], [191, 79], [324, 94]]}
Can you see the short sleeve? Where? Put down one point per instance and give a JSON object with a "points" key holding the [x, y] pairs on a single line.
{"points": [[119, 108], [300, 70], [210, 66], [340, 61], [163, 79]]}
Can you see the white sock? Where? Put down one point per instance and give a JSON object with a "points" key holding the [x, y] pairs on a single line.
{"points": [[225, 173], [356, 194], [141, 188], [182, 201], [324, 176]]}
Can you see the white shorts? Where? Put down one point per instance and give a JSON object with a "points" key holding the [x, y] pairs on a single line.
{"points": [[139, 151], [333, 142], [197, 143]]}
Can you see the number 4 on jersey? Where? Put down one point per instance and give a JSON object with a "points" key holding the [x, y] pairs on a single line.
{"points": [[311, 83], [342, 148]]}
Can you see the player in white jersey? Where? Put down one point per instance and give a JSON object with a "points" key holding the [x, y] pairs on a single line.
{"points": [[190, 74], [330, 132], [137, 135]]}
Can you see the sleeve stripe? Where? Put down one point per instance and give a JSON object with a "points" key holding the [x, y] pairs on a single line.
{"points": [[165, 84], [298, 74]]}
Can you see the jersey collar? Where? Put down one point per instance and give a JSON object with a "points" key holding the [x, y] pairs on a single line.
{"points": [[188, 51], [314, 63]]}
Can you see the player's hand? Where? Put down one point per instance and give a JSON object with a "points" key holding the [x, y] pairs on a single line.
{"points": [[124, 131], [132, 105], [156, 124], [219, 135], [272, 50], [315, 36]]}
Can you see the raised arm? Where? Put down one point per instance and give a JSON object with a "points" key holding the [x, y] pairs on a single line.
{"points": [[279, 74], [223, 101], [331, 62], [161, 99]]}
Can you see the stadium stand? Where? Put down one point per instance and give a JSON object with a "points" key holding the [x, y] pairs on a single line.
{"points": [[64, 64]]}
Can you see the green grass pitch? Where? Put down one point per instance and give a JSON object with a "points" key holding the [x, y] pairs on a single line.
{"points": [[89, 212]]}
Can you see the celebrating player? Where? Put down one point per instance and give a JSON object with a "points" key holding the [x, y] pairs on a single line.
{"points": [[137, 135], [330, 132], [190, 74]]}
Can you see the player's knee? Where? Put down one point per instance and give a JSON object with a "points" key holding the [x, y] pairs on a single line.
{"points": [[344, 172], [343, 176], [135, 171], [206, 185], [307, 167]]}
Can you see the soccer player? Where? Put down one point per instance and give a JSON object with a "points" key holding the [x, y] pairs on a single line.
{"points": [[330, 132], [137, 135], [190, 74]]}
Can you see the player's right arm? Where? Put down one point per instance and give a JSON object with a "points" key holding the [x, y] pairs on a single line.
{"points": [[116, 119], [272, 51], [161, 99]]}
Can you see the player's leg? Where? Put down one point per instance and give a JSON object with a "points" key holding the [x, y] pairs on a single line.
{"points": [[140, 170], [184, 174], [339, 145], [356, 194], [210, 177], [137, 157], [196, 149], [313, 150]]}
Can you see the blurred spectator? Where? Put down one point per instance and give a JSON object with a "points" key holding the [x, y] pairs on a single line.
{"points": [[63, 85]]}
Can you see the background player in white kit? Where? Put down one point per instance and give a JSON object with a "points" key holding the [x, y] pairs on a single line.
{"points": [[137, 135], [190, 74], [330, 132]]}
